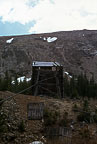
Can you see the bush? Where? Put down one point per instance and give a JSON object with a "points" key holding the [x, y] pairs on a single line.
{"points": [[85, 133], [84, 117], [3, 126], [75, 94], [75, 108], [21, 126], [86, 105], [50, 118], [64, 121]]}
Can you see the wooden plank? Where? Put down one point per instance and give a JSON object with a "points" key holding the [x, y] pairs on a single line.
{"points": [[58, 131]]}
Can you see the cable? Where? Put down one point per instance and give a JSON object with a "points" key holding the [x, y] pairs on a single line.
{"points": [[48, 90]]}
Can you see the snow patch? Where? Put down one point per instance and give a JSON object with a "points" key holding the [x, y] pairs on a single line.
{"points": [[28, 79], [58, 47], [37, 142], [44, 38], [70, 76], [49, 39], [83, 35], [72, 127], [10, 40], [21, 79], [66, 73]]}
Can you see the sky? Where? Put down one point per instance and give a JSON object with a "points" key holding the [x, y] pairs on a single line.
{"points": [[19, 17]]}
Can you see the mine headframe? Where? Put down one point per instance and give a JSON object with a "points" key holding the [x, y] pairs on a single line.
{"points": [[47, 78]]}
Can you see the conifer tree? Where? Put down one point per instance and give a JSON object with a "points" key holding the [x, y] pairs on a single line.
{"points": [[66, 86]]}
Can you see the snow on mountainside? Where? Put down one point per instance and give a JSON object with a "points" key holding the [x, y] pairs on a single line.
{"points": [[75, 50], [37, 142], [21, 79], [10, 40], [49, 39]]}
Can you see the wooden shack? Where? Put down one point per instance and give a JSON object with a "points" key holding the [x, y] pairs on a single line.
{"points": [[35, 111], [47, 78]]}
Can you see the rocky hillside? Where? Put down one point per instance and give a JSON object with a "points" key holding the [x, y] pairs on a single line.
{"points": [[15, 112], [75, 50]]}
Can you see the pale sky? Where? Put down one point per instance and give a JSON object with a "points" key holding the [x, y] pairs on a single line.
{"points": [[41, 16]]}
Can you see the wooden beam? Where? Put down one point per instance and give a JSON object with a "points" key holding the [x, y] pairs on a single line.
{"points": [[36, 88]]}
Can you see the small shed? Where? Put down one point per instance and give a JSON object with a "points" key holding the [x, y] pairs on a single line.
{"points": [[35, 111], [47, 78]]}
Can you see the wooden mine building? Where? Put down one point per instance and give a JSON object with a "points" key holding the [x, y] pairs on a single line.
{"points": [[35, 110], [47, 78]]}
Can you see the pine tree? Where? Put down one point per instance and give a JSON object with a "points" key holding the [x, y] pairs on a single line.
{"points": [[66, 86]]}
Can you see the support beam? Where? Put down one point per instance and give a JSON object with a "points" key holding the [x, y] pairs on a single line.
{"points": [[36, 88]]}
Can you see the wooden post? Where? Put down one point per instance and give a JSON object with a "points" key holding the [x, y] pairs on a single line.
{"points": [[36, 88], [58, 87]]}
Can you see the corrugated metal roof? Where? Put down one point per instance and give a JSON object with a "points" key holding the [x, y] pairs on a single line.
{"points": [[50, 64]]}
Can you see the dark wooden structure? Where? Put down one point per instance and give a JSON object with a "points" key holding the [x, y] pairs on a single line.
{"points": [[35, 111], [47, 78], [58, 131]]}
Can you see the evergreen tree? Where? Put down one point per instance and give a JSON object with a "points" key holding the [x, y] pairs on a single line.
{"points": [[72, 86], [82, 85], [92, 88], [74, 94], [66, 86], [3, 126]]}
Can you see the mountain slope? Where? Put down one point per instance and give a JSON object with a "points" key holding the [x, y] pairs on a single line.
{"points": [[75, 50]]}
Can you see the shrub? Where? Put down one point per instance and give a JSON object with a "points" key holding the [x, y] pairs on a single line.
{"points": [[86, 105], [64, 121], [84, 116], [95, 118], [50, 118], [3, 126], [75, 94], [85, 133], [21, 126], [75, 108]]}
